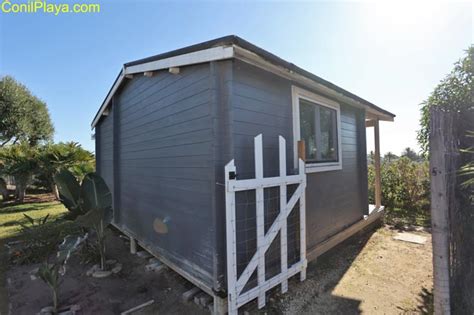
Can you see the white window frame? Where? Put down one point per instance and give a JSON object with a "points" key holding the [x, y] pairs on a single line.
{"points": [[297, 94]]}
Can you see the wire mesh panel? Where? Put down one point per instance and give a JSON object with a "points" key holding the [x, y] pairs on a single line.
{"points": [[265, 217]]}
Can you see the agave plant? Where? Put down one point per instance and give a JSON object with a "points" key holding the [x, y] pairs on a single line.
{"points": [[51, 273], [89, 203]]}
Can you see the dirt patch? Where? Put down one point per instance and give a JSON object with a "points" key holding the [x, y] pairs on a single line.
{"points": [[371, 274], [113, 295]]}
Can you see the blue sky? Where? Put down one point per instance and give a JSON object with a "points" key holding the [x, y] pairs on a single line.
{"points": [[390, 53]]}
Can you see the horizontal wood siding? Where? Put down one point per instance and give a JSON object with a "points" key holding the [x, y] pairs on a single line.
{"points": [[165, 140], [104, 149], [261, 103]]}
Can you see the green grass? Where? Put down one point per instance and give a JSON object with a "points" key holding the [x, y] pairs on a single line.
{"points": [[11, 216]]}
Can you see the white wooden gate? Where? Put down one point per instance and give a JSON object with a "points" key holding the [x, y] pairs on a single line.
{"points": [[235, 283]]}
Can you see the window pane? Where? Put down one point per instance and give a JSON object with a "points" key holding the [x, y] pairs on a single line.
{"points": [[328, 145], [318, 128], [307, 128]]}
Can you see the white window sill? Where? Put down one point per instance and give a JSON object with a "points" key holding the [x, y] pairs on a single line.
{"points": [[325, 167]]}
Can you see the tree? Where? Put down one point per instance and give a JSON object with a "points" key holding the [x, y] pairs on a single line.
{"points": [[69, 155], [389, 157], [21, 162], [23, 117], [411, 154], [3, 190], [454, 93], [370, 158]]}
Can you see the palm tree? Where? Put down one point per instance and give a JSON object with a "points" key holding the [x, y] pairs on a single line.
{"points": [[69, 155], [411, 154], [21, 162], [389, 157]]}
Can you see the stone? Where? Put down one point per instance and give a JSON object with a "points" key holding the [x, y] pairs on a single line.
{"points": [[143, 254], [47, 310], [205, 300], [117, 268], [156, 267], [410, 237], [153, 260], [101, 273], [92, 270], [75, 307], [188, 295], [33, 274]]}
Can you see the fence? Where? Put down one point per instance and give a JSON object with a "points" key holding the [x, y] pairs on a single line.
{"points": [[452, 212], [252, 243]]}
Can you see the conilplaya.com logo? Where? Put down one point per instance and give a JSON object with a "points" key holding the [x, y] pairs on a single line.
{"points": [[41, 6]]}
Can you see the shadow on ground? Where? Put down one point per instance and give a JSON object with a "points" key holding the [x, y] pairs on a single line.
{"points": [[323, 275]]}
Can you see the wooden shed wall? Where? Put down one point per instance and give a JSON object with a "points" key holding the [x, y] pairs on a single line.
{"points": [[261, 103], [172, 138], [163, 165]]}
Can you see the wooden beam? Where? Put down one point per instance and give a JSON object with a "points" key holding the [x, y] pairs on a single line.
{"points": [[148, 74], [369, 123], [174, 70], [378, 179], [333, 241], [129, 76], [440, 129]]}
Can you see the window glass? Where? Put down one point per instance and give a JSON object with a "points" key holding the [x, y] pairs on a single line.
{"points": [[318, 128]]}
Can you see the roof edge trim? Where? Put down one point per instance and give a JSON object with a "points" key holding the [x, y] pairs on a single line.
{"points": [[251, 54], [201, 56]]}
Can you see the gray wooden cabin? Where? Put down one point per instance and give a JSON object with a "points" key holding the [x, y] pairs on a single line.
{"points": [[171, 122]]}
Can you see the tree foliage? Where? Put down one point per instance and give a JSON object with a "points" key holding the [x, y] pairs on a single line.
{"points": [[24, 162], [23, 116], [64, 155], [453, 93], [411, 154]]}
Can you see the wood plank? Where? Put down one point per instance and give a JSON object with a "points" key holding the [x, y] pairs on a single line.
{"points": [[301, 169], [258, 147], [230, 241], [326, 245], [302, 150], [378, 179], [283, 230], [439, 136]]}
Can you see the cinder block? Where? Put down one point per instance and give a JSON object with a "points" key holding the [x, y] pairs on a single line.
{"points": [[189, 295]]}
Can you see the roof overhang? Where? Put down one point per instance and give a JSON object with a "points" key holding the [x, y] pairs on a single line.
{"points": [[234, 47]]}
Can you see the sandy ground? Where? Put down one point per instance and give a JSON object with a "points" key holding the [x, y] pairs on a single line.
{"points": [[113, 295], [370, 274]]}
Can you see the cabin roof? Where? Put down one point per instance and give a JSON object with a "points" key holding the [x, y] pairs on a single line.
{"points": [[228, 47]]}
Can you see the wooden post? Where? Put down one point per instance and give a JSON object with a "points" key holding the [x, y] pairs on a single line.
{"points": [[439, 212], [283, 200], [302, 150], [259, 199], [378, 180], [133, 245]]}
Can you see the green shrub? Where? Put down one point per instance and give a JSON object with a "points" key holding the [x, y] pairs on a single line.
{"points": [[405, 190]]}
